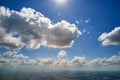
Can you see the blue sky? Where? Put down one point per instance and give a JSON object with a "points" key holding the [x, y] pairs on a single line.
{"points": [[102, 16]]}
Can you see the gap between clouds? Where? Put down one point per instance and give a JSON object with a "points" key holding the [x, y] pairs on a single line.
{"points": [[32, 29]]}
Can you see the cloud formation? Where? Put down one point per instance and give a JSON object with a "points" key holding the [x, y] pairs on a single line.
{"points": [[62, 54], [77, 62], [14, 55], [111, 38], [32, 29]]}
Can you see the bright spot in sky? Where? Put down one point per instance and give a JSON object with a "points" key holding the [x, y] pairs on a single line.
{"points": [[60, 2]]}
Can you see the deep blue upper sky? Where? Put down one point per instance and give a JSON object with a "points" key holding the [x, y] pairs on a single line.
{"points": [[103, 16]]}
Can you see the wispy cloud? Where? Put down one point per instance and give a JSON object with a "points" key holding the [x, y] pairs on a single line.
{"points": [[85, 31], [87, 20]]}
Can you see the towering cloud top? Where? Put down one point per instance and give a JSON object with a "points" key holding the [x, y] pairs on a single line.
{"points": [[30, 28]]}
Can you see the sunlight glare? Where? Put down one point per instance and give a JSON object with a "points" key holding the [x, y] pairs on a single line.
{"points": [[60, 2]]}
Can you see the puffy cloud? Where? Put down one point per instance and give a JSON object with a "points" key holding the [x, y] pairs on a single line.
{"points": [[111, 38], [64, 63], [114, 60], [45, 61], [77, 62], [12, 58], [14, 55], [34, 30], [62, 54]]}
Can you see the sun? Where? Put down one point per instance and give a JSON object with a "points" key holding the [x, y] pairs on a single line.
{"points": [[60, 2]]}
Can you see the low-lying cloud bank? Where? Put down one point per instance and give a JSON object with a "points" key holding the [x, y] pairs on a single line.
{"points": [[111, 38], [32, 29], [76, 63]]}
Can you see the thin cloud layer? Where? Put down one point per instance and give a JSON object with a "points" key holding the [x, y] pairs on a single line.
{"points": [[111, 38], [77, 62], [30, 28]]}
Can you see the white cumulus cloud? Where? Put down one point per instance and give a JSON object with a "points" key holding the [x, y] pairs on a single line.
{"points": [[62, 54], [34, 29], [111, 38], [77, 62]]}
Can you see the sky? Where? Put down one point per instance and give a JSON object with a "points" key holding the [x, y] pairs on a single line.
{"points": [[78, 30]]}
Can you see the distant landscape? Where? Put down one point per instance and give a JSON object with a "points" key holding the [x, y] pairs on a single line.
{"points": [[61, 75]]}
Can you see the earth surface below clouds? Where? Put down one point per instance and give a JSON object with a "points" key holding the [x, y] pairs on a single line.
{"points": [[60, 75]]}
